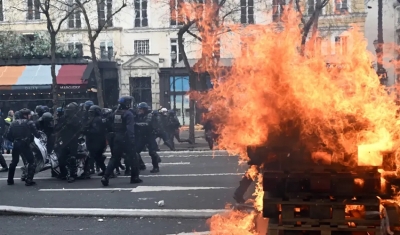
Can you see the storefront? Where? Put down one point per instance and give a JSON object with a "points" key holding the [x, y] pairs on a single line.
{"points": [[31, 85]]}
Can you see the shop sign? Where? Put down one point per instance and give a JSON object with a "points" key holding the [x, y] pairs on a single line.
{"points": [[72, 87]]}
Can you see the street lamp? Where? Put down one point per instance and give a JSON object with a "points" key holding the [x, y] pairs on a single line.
{"points": [[173, 58]]}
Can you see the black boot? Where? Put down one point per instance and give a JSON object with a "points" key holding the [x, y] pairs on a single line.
{"points": [[3, 164], [72, 170], [11, 172], [30, 173], [104, 181], [155, 170]]}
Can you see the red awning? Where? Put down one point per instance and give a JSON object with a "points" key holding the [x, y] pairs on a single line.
{"points": [[71, 75]]}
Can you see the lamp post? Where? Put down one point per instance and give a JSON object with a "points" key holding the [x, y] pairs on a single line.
{"points": [[173, 58]]}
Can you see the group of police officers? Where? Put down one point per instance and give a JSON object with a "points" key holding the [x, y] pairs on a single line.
{"points": [[127, 129]]}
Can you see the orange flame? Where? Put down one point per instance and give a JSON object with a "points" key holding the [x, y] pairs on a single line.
{"points": [[341, 109]]}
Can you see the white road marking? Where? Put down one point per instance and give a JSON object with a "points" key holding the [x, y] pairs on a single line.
{"points": [[193, 233], [164, 213], [84, 189], [150, 176], [165, 156], [139, 189], [149, 164]]}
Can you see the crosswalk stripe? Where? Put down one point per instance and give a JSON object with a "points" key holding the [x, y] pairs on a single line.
{"points": [[139, 189], [152, 176]]}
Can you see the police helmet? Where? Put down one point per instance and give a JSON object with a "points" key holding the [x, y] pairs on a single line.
{"points": [[71, 109], [95, 109], [38, 108], [45, 109], [155, 112], [25, 112], [143, 105], [60, 110], [126, 101], [47, 116], [88, 104], [17, 115]]}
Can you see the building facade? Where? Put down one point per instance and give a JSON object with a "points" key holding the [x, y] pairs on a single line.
{"points": [[142, 35]]}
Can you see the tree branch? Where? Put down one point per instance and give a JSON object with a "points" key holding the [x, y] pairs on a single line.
{"points": [[194, 35]]}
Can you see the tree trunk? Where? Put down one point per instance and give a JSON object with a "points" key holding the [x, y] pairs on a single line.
{"points": [[53, 70], [99, 80]]}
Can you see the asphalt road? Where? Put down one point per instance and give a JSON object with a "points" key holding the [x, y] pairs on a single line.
{"points": [[187, 180], [20, 225]]}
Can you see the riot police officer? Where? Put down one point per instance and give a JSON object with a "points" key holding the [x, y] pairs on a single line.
{"points": [[124, 139], [87, 119], [60, 112], [145, 131], [45, 124], [68, 132], [38, 113], [21, 132], [160, 122], [95, 133]]}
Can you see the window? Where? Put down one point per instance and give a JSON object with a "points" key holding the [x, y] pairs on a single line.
{"points": [[33, 12], [76, 47], [142, 47], [341, 7], [178, 112], [277, 10], [175, 47], [1, 11], [187, 112], [106, 12], [141, 13], [177, 18], [247, 11], [341, 45], [106, 50], [311, 6], [74, 20]]}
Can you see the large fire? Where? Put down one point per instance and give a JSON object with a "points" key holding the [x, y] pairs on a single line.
{"points": [[333, 111]]}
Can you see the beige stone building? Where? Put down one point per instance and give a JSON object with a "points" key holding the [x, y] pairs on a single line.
{"points": [[142, 36]]}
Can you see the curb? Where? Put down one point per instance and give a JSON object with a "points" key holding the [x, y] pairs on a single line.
{"points": [[100, 212]]}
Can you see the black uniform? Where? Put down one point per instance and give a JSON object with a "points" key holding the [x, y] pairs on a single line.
{"points": [[3, 163], [145, 136], [160, 124], [173, 128], [45, 123], [21, 132], [123, 141], [69, 128], [95, 133]]}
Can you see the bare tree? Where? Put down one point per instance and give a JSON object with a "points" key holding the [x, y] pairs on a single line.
{"points": [[207, 17], [56, 13], [94, 32], [311, 22]]}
